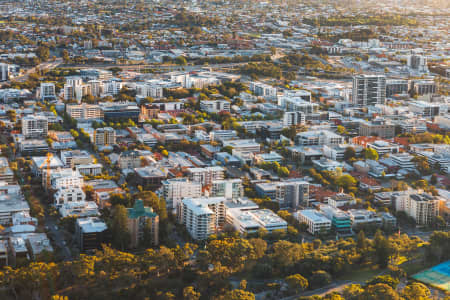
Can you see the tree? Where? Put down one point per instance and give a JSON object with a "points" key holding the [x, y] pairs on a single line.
{"points": [[341, 129], [65, 56], [347, 182], [361, 242], [386, 279], [349, 153], [285, 253], [43, 53], [238, 295], [297, 282], [382, 248], [319, 278], [121, 236], [416, 291], [352, 292], [379, 291], [189, 293], [370, 153], [181, 61]]}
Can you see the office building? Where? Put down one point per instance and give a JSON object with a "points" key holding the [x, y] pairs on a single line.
{"points": [[396, 87], [4, 72], [318, 138], [215, 106], [362, 218], [378, 127], [263, 90], [417, 62], [90, 233], [317, 222], [34, 127], [116, 111], [247, 221], [423, 87], [340, 220], [427, 109], [69, 194], [368, 90]]}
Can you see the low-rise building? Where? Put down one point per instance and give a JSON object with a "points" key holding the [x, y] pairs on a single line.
{"points": [[317, 222], [90, 233]]}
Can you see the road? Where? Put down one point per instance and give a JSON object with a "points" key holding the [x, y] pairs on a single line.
{"points": [[43, 66], [57, 235]]}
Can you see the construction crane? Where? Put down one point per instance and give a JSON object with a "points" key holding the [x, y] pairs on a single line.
{"points": [[47, 162]]}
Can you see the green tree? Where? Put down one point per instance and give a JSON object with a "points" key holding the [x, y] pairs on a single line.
{"points": [[238, 295], [361, 242], [379, 291], [386, 279], [43, 53], [382, 248], [181, 61], [189, 293], [349, 153], [370, 153], [319, 278], [416, 291], [297, 282], [121, 236], [352, 291]]}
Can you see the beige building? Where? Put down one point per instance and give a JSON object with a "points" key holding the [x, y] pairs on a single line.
{"points": [[379, 128], [141, 218]]}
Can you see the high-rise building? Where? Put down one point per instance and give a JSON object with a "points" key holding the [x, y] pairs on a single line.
{"points": [[47, 91], [369, 90], [34, 127], [418, 62], [206, 175], [421, 207], [202, 216], [174, 190], [4, 72], [140, 219], [104, 136]]}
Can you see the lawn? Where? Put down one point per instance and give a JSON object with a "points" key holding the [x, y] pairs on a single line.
{"points": [[362, 275]]}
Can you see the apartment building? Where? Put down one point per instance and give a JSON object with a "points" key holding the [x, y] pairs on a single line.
{"points": [[34, 127], [422, 207], [47, 91], [293, 118], [4, 72], [368, 90], [62, 178], [174, 190], [139, 219], [84, 111], [228, 188], [69, 194], [263, 90], [396, 87], [202, 216], [104, 136], [206, 175], [71, 158], [340, 220], [247, 221]]}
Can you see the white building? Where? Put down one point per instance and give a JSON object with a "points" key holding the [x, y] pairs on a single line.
{"points": [[47, 91], [69, 194], [319, 138], [292, 118], [369, 90], [202, 216], [206, 175], [174, 190], [228, 188], [89, 169], [215, 106], [242, 145], [317, 222], [84, 111], [422, 207], [34, 127], [63, 178], [223, 135], [263, 90], [250, 221], [364, 217]]}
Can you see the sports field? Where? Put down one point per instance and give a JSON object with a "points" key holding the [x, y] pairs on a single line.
{"points": [[437, 276]]}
